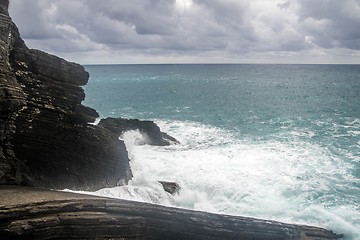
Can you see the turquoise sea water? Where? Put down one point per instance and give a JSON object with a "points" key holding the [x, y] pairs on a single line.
{"points": [[279, 142]]}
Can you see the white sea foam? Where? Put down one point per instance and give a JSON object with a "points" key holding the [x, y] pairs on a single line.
{"points": [[354, 133], [217, 172], [304, 133]]}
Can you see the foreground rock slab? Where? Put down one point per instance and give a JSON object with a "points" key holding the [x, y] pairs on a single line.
{"points": [[30, 213]]}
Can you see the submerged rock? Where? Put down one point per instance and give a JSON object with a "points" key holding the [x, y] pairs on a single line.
{"points": [[153, 134], [170, 187], [45, 138]]}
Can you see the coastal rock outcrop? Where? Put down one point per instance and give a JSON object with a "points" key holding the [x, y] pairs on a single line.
{"points": [[45, 138], [149, 129]]}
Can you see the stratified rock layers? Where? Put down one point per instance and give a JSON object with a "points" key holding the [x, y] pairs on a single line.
{"points": [[45, 138]]}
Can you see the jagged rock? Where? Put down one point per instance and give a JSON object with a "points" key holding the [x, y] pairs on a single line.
{"points": [[43, 214], [170, 187], [152, 132], [45, 138]]}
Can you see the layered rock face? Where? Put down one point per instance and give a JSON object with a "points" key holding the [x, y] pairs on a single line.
{"points": [[45, 136]]}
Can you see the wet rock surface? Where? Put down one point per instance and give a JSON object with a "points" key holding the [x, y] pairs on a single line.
{"points": [[170, 187]]}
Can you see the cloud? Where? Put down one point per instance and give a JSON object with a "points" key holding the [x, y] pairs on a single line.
{"points": [[34, 18], [207, 30], [331, 24]]}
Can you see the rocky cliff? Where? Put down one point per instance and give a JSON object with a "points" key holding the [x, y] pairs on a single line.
{"points": [[45, 138]]}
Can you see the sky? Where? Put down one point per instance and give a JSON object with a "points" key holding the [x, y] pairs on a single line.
{"points": [[192, 31]]}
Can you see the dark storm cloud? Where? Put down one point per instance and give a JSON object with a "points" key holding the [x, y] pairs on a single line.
{"points": [[332, 23], [189, 27]]}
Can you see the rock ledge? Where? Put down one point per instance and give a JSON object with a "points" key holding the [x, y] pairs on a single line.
{"points": [[43, 214]]}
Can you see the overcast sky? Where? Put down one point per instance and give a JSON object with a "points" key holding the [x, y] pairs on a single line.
{"points": [[192, 31]]}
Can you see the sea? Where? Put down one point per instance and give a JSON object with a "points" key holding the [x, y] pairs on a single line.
{"points": [[279, 142]]}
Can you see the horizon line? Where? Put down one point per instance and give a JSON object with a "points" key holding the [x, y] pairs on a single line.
{"points": [[98, 64]]}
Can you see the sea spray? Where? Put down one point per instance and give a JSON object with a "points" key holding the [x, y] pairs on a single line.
{"points": [[272, 141], [218, 172]]}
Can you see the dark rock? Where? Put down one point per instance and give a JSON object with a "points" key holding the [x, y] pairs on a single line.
{"points": [[45, 138], [170, 187], [29, 213], [152, 132]]}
